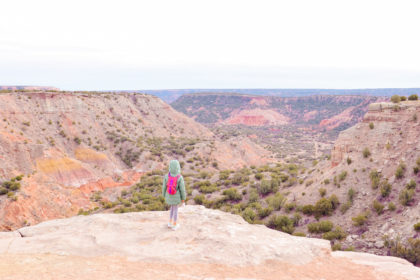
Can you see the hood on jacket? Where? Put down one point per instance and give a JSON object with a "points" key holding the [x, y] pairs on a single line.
{"points": [[174, 168]]}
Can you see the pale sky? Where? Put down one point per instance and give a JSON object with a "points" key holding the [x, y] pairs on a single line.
{"points": [[156, 44]]}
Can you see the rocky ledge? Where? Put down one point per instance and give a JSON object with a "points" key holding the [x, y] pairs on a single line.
{"points": [[210, 244]]}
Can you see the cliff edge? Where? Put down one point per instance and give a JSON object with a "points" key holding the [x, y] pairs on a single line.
{"points": [[209, 245]]}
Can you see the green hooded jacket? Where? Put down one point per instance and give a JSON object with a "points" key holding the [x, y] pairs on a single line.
{"points": [[174, 169]]}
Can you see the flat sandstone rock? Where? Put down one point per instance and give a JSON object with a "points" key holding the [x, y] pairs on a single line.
{"points": [[210, 244]]}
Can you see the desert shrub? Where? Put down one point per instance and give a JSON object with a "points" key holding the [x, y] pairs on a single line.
{"points": [[334, 201], [406, 196], [289, 206], [253, 195], [232, 194], [223, 175], [199, 199], [309, 182], [249, 215], [301, 234], [403, 98], [409, 250], [395, 98], [319, 227], [411, 184], [366, 153], [208, 188], [291, 181], [282, 223], [267, 187], [379, 207], [259, 176], [349, 161], [296, 219], [416, 169], [391, 206], [336, 247], [360, 219], [386, 188], [371, 125], [323, 207], [342, 176], [337, 234], [346, 206], [413, 97], [276, 201], [326, 181], [375, 179], [77, 140], [240, 178], [308, 209], [350, 194], [265, 212], [417, 227], [399, 173], [3, 191]]}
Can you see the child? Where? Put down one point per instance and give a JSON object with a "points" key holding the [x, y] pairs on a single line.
{"points": [[173, 189]]}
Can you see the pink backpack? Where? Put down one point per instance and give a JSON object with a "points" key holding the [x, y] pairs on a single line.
{"points": [[171, 184]]}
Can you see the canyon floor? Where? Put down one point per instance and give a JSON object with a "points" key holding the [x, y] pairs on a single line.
{"points": [[210, 244]]}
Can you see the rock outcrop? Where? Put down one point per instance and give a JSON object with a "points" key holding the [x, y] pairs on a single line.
{"points": [[209, 245]]}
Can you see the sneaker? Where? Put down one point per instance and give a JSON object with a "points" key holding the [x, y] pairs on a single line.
{"points": [[177, 226], [170, 225]]}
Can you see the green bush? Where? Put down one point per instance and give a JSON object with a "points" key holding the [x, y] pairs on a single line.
{"points": [[411, 184], [289, 206], [265, 212], [417, 227], [416, 169], [276, 201], [346, 206], [267, 187], [371, 125], [409, 250], [259, 176], [379, 207], [403, 98], [208, 189], [322, 192], [319, 227], [360, 219], [413, 97], [296, 219], [323, 207], [350, 194], [349, 161], [406, 196], [391, 206], [395, 98], [282, 223], [399, 173], [249, 215], [308, 209], [232, 194], [326, 181], [337, 234], [342, 176], [301, 234], [199, 199], [366, 153], [375, 179], [385, 188], [253, 196]]}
